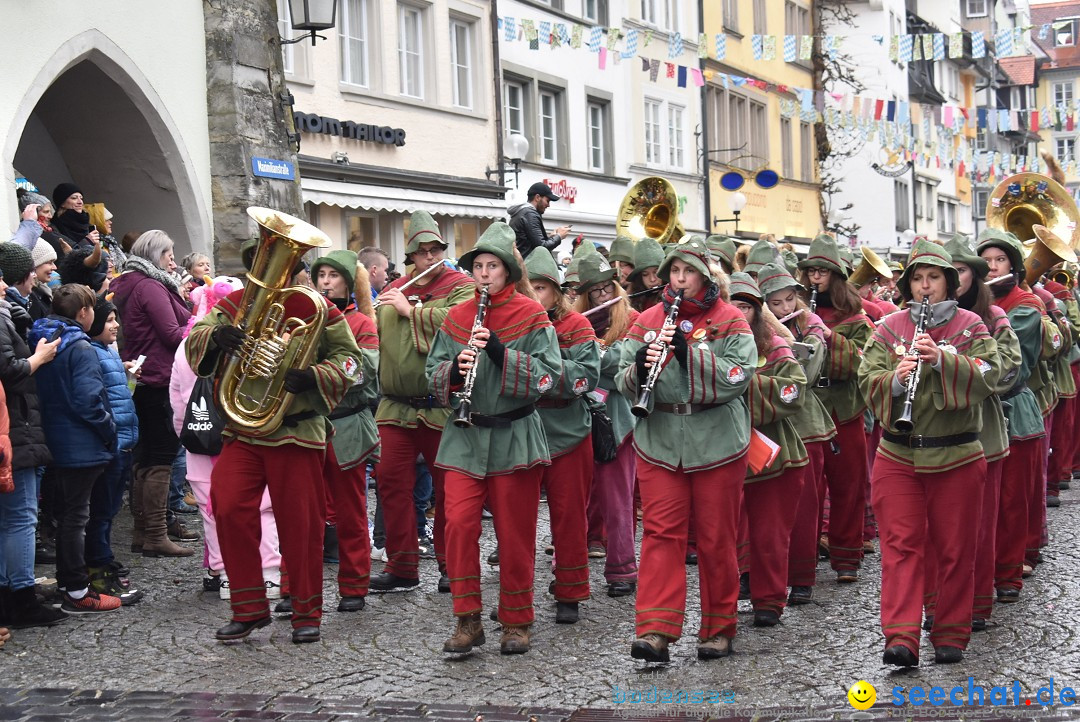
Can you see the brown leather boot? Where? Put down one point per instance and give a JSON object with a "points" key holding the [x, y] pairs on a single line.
{"points": [[651, 647], [515, 640], [469, 634], [136, 502], [156, 542], [714, 647]]}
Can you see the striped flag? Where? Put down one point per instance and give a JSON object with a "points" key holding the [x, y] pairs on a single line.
{"points": [[721, 46], [789, 49]]}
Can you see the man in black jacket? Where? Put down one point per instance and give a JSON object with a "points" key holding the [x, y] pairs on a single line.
{"points": [[527, 223]]}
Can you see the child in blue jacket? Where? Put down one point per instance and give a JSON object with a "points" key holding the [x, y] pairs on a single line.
{"points": [[108, 576], [81, 435]]}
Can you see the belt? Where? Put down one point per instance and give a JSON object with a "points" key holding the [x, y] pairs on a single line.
{"points": [[554, 403], [916, 441], [683, 409], [347, 411], [294, 419], [823, 383], [1014, 391], [417, 402], [501, 421]]}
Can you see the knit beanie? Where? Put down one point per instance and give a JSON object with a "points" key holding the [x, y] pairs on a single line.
{"points": [[43, 252], [15, 263], [62, 192], [102, 309]]}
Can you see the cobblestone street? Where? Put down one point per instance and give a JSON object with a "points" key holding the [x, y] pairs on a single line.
{"points": [[387, 661]]}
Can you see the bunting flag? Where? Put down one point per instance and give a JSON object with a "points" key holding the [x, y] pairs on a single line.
{"points": [[755, 46], [703, 46], [893, 48], [928, 45], [769, 47], [670, 68], [613, 36], [602, 58], [575, 37], [1004, 43], [939, 46], [806, 47], [721, 46], [956, 45], [978, 44], [511, 29], [594, 39], [654, 69], [648, 38], [905, 48], [630, 49], [682, 76], [916, 48], [832, 45], [789, 49], [1044, 31], [675, 47]]}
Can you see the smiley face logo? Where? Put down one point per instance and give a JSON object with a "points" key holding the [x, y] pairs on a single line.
{"points": [[862, 695]]}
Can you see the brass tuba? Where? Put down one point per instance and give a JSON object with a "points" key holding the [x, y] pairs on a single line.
{"points": [[251, 381], [1021, 203], [650, 209], [870, 269]]}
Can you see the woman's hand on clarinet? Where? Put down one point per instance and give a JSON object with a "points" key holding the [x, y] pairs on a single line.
{"points": [[480, 336], [904, 369], [927, 349], [465, 361], [652, 355]]}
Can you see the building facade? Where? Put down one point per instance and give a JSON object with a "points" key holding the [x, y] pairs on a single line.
{"points": [[1058, 82]]}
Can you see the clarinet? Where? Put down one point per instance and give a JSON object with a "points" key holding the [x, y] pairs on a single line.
{"points": [[464, 411], [822, 379], [641, 408], [904, 423]]}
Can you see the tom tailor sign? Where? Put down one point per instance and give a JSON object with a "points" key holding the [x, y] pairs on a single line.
{"points": [[270, 168], [311, 123]]}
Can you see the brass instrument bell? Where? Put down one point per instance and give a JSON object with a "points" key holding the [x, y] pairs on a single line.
{"points": [[650, 209]]}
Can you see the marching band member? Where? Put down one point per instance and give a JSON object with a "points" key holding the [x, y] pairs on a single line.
{"points": [[846, 331], [813, 422], [503, 361], [648, 255], [1061, 428], [612, 497], [722, 249], [356, 438], [621, 256], [411, 420], [936, 369], [777, 393], [762, 252], [567, 421], [682, 462], [1003, 253]]}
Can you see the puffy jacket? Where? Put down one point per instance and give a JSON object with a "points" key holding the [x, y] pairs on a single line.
{"points": [[74, 404], [153, 319], [529, 227], [120, 403], [27, 434]]}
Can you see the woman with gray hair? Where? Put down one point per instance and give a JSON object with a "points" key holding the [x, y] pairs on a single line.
{"points": [[154, 317]]}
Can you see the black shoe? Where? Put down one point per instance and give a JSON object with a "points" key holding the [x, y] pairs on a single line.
{"points": [[651, 648], [387, 582], [978, 625], [330, 545], [302, 635], [566, 612], [494, 616], [427, 547], [283, 608], [211, 582], [44, 552], [1053, 502], [1063, 485], [444, 584], [493, 558], [239, 630], [1008, 596], [350, 604], [847, 576], [928, 623], [948, 655], [800, 595], [621, 589], [900, 656], [766, 618], [691, 558], [25, 611], [744, 585]]}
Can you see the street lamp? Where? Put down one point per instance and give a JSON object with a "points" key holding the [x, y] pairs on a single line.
{"points": [[311, 15], [907, 238], [515, 148], [736, 202]]}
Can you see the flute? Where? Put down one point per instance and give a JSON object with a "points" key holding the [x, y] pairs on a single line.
{"points": [[615, 300], [794, 314], [411, 281], [999, 279]]}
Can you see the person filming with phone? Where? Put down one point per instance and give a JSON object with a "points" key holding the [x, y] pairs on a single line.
{"points": [[528, 225]]}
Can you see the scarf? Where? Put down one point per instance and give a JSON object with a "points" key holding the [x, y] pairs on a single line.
{"points": [[1001, 289], [148, 269], [940, 313], [696, 304]]}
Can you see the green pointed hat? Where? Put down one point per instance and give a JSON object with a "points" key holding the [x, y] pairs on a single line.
{"points": [[926, 253], [498, 240], [773, 277], [962, 250], [344, 262], [422, 229], [742, 284], [593, 270], [761, 252], [1006, 241], [722, 249], [622, 249], [824, 253], [693, 252], [848, 257], [791, 261], [541, 266], [648, 253]]}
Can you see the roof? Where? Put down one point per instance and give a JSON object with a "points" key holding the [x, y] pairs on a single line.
{"points": [[1021, 70], [1067, 56]]}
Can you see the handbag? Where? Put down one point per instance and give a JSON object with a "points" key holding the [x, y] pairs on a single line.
{"points": [[604, 444], [203, 423]]}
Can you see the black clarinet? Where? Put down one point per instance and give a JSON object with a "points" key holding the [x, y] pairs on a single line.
{"points": [[904, 423], [464, 411], [641, 408]]}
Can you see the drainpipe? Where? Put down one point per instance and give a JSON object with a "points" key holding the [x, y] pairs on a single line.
{"points": [[496, 80]]}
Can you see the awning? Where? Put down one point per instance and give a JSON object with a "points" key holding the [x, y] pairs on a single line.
{"points": [[401, 200]]}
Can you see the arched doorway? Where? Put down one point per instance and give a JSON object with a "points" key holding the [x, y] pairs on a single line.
{"points": [[100, 125]]}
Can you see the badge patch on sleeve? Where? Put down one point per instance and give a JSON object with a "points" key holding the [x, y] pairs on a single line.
{"points": [[736, 375], [350, 366], [545, 383], [580, 386], [983, 366], [789, 393], [1056, 340]]}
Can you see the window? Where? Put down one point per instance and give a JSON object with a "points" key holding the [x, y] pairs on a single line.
{"points": [[661, 13], [1066, 34], [901, 205], [920, 209], [1064, 149], [759, 130], [1063, 93], [809, 151], [598, 136], [896, 27], [982, 197], [976, 8], [362, 230], [947, 79], [946, 215], [461, 61], [731, 15], [980, 139], [787, 163], [410, 50], [1021, 97], [353, 36], [796, 19], [294, 57], [760, 13], [652, 131], [596, 11], [466, 233], [549, 126], [675, 136], [515, 107]]}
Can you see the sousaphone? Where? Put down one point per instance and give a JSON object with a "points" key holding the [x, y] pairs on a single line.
{"points": [[1042, 214], [870, 269], [650, 209]]}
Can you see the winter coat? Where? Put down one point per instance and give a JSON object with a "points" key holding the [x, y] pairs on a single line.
{"points": [[120, 403], [153, 317], [7, 483], [24, 415], [19, 311], [40, 301], [73, 225], [74, 403], [529, 227]]}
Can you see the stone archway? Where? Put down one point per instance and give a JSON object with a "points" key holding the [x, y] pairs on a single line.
{"points": [[92, 118]]}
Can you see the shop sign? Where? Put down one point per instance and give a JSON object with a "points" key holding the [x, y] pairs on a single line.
{"points": [[270, 168], [562, 189], [25, 184], [312, 123]]}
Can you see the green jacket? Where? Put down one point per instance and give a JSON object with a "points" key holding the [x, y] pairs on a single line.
{"points": [[1022, 408], [719, 365], [813, 421], [995, 432], [404, 343], [568, 426], [356, 438], [530, 367], [616, 405], [777, 393], [842, 397]]}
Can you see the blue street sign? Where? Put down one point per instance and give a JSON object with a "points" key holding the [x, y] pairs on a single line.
{"points": [[270, 168]]}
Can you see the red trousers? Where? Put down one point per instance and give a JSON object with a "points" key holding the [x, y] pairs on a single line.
{"points": [[1036, 524], [666, 497], [567, 481], [613, 498], [1019, 482], [767, 521], [845, 474], [985, 547], [513, 500], [345, 494], [1062, 443], [920, 514], [869, 523], [396, 478], [1076, 447], [802, 548], [294, 476]]}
